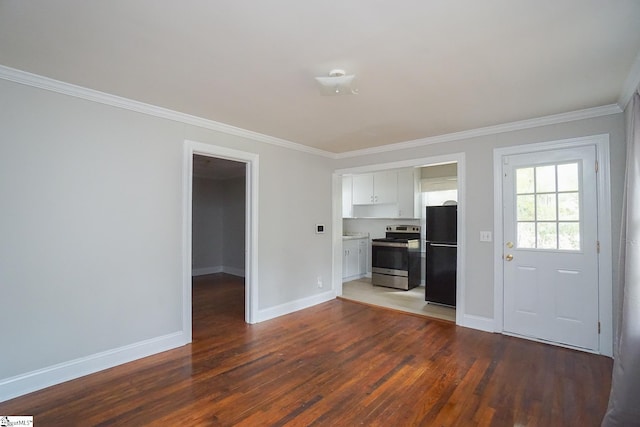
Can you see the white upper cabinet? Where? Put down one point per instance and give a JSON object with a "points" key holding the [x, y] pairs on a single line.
{"points": [[363, 189], [375, 188], [409, 193], [386, 194], [347, 194], [385, 185]]}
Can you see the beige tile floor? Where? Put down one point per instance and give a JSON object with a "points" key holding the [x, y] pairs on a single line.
{"points": [[411, 301]]}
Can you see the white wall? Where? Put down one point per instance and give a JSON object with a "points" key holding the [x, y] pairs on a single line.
{"points": [[233, 222], [91, 205], [218, 226], [207, 243], [91, 241], [479, 192]]}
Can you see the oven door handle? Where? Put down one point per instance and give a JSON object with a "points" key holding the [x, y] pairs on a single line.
{"points": [[442, 245], [390, 245]]}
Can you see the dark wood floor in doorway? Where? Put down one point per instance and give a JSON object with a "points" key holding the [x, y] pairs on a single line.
{"points": [[336, 364]]}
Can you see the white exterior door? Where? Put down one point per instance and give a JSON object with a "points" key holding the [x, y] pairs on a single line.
{"points": [[550, 261]]}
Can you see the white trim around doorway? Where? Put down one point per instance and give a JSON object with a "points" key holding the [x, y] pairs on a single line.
{"points": [[251, 227], [605, 286]]}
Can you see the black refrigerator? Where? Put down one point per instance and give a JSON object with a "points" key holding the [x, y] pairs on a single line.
{"points": [[442, 248]]}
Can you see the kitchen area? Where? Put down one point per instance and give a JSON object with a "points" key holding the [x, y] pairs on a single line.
{"points": [[399, 239]]}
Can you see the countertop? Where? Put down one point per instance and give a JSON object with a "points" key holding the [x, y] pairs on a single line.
{"points": [[353, 236]]}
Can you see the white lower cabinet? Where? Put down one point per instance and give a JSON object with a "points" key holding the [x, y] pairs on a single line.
{"points": [[354, 258], [363, 251]]}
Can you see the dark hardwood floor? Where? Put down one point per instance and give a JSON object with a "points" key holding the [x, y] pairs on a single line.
{"points": [[336, 364]]}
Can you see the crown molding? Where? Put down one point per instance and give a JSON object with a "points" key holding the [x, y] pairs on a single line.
{"points": [[46, 83], [631, 84], [489, 130]]}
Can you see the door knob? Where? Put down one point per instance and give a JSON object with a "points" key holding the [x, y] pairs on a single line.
{"points": [[509, 245], [509, 257]]}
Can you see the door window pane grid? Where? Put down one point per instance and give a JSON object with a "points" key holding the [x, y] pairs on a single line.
{"points": [[548, 207]]}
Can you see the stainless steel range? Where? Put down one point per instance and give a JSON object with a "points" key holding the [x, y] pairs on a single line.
{"points": [[395, 259]]}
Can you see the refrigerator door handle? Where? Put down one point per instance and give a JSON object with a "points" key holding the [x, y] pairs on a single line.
{"points": [[442, 245]]}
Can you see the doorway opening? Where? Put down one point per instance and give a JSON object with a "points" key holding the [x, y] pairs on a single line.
{"points": [[447, 179], [218, 237], [219, 226]]}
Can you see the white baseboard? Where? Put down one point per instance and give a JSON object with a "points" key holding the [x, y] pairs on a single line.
{"points": [[290, 307], [56, 374], [206, 270], [218, 269], [480, 323], [233, 271]]}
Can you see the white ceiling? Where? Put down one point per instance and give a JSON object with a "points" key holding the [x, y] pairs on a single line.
{"points": [[423, 68]]}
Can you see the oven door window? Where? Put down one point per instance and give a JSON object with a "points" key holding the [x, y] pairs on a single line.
{"points": [[389, 257]]}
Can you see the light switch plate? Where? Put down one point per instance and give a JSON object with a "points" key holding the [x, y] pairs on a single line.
{"points": [[485, 236]]}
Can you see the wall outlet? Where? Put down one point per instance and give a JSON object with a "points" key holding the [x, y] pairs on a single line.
{"points": [[485, 236], [319, 281]]}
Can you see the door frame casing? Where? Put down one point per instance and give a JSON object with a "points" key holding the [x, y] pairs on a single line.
{"points": [[605, 281], [251, 226]]}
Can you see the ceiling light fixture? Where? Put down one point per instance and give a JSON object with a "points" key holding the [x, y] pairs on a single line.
{"points": [[337, 84]]}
